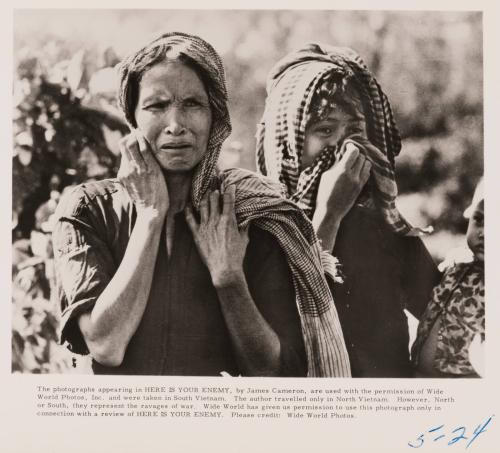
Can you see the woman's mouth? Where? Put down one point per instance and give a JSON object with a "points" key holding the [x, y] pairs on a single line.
{"points": [[175, 146]]}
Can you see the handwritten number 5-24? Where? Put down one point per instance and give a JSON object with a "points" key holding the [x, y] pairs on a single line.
{"points": [[440, 433]]}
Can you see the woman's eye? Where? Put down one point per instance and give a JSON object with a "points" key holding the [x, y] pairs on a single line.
{"points": [[192, 103], [325, 130], [156, 105]]}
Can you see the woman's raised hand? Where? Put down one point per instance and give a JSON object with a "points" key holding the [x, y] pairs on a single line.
{"points": [[142, 177], [221, 244], [341, 185]]}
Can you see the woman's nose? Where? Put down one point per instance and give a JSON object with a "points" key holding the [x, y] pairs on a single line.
{"points": [[175, 122]]}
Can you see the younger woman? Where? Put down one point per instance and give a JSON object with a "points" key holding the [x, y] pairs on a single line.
{"points": [[327, 121]]}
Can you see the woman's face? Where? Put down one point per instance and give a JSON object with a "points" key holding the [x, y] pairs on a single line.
{"points": [[173, 113], [327, 132]]}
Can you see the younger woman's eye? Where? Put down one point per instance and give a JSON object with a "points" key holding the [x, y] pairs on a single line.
{"points": [[326, 131]]}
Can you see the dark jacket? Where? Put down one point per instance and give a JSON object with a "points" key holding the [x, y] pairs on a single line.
{"points": [[384, 274]]}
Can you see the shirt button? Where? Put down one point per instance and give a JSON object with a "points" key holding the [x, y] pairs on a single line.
{"points": [[348, 305]]}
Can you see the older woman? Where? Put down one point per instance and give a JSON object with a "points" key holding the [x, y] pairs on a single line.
{"points": [[326, 131], [175, 269]]}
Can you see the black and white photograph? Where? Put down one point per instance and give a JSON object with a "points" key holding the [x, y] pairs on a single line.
{"points": [[322, 199], [210, 195]]}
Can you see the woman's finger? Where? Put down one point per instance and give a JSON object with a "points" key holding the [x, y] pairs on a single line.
{"points": [[358, 164], [123, 170], [228, 200], [204, 212], [132, 145], [145, 149], [191, 221], [365, 172], [350, 155], [124, 151], [214, 205], [244, 231], [125, 162], [141, 140]]}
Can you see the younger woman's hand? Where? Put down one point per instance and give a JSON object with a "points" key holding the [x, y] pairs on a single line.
{"points": [[221, 244], [341, 185], [141, 176]]}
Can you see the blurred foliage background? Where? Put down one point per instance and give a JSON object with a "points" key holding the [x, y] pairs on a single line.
{"points": [[66, 125]]}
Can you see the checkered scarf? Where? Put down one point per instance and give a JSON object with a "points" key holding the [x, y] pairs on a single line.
{"points": [[291, 86], [260, 201]]}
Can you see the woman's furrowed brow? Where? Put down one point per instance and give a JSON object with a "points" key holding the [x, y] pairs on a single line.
{"points": [[194, 96], [155, 96]]}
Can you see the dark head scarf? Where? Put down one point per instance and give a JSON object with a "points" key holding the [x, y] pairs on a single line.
{"points": [[293, 89]]}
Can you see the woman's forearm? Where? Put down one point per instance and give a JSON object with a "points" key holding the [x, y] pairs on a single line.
{"points": [[109, 326], [326, 226], [256, 344]]}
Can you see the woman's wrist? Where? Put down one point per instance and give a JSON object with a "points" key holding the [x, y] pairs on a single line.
{"points": [[324, 218], [229, 279], [150, 218], [326, 226]]}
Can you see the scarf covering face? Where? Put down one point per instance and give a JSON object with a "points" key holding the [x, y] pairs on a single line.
{"points": [[291, 86], [260, 201]]}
